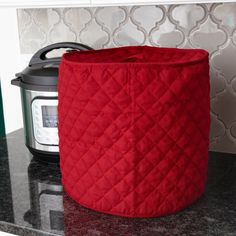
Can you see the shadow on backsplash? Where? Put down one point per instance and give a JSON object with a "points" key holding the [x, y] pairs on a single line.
{"points": [[208, 26]]}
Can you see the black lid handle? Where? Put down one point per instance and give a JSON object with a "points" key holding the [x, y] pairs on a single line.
{"points": [[16, 82], [40, 56]]}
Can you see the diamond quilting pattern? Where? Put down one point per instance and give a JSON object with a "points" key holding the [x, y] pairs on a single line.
{"points": [[134, 135]]}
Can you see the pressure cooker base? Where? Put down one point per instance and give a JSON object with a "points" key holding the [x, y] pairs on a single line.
{"points": [[44, 155]]}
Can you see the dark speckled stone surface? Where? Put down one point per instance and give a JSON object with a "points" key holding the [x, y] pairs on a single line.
{"points": [[32, 201]]}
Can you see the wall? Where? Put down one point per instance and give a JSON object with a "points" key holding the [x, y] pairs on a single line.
{"points": [[10, 63], [208, 26]]}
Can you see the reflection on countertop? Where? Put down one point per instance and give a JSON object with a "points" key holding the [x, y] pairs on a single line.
{"points": [[32, 201]]}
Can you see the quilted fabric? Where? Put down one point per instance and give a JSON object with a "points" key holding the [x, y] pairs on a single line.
{"points": [[133, 128]]}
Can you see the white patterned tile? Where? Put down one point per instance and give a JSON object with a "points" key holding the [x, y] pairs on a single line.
{"points": [[225, 61], [226, 14], [94, 34], [208, 26], [234, 37], [148, 16], [224, 144], [24, 20], [217, 128], [188, 17], [110, 18], [33, 32], [76, 19], [208, 36], [166, 35], [233, 130], [127, 33], [218, 84], [59, 29], [233, 83], [224, 106]]}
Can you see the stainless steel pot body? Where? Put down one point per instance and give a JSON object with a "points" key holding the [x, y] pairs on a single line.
{"points": [[38, 84], [39, 110]]}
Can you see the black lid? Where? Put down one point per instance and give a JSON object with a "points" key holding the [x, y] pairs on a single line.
{"points": [[39, 78], [42, 72]]}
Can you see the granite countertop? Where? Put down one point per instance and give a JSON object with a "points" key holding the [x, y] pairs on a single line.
{"points": [[32, 201]]}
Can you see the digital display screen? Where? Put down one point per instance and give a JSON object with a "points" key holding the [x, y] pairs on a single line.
{"points": [[49, 115]]}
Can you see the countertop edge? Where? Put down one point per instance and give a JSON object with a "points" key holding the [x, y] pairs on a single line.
{"points": [[22, 231]]}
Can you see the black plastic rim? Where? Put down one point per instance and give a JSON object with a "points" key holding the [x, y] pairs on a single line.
{"points": [[44, 156]]}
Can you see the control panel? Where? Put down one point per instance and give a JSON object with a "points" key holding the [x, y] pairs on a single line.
{"points": [[45, 121]]}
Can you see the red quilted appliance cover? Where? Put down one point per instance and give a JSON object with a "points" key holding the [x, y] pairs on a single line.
{"points": [[133, 128]]}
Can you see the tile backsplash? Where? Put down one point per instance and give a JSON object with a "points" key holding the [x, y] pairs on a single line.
{"points": [[208, 26]]}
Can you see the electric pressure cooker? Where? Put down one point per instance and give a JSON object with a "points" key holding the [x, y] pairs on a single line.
{"points": [[38, 85]]}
